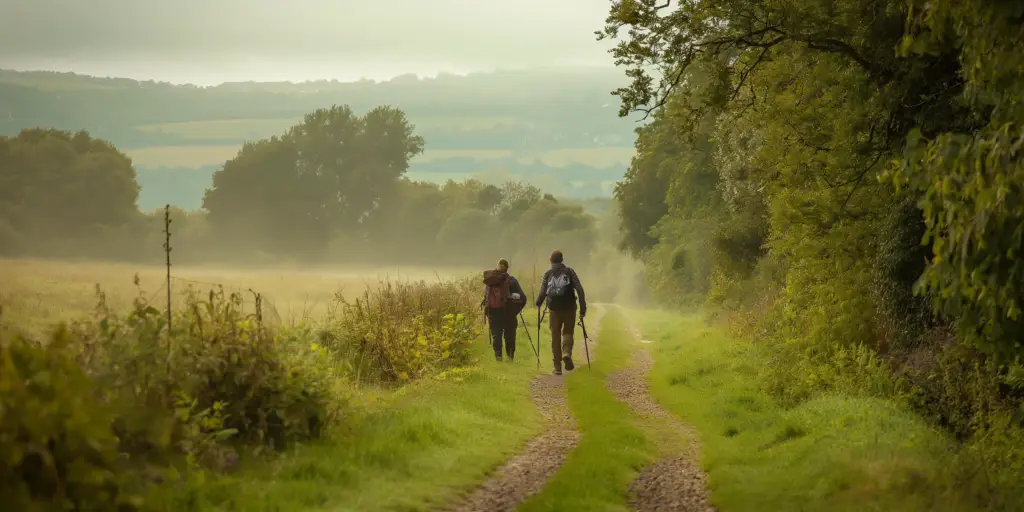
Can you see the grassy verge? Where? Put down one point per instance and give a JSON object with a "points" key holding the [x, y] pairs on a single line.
{"points": [[597, 473], [412, 450], [829, 453]]}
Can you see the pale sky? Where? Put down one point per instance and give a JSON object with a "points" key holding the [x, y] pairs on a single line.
{"points": [[212, 41]]}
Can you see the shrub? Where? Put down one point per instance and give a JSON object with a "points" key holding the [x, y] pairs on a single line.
{"points": [[220, 372], [402, 331], [57, 450]]}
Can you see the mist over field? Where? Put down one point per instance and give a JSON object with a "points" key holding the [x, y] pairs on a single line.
{"points": [[646, 255]]}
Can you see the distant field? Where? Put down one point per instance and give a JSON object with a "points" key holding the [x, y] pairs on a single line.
{"points": [[182, 156], [34, 294], [199, 156], [247, 129], [593, 157], [254, 129]]}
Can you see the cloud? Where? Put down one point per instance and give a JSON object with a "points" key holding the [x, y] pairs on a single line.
{"points": [[368, 34]]}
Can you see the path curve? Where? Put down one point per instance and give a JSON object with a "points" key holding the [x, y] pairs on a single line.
{"points": [[528, 472], [675, 482]]}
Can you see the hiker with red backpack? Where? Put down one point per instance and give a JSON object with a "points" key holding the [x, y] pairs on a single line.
{"points": [[504, 298], [560, 286]]}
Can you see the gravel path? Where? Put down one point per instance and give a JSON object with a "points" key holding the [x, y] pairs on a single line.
{"points": [[528, 472], [675, 482]]}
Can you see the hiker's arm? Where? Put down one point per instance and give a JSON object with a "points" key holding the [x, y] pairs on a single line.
{"points": [[543, 289], [484, 301], [579, 292], [515, 287]]}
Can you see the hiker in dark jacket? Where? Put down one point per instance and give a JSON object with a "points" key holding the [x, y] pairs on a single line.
{"points": [[560, 286], [503, 300]]}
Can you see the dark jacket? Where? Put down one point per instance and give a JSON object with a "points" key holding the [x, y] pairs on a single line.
{"points": [[511, 306], [577, 288]]}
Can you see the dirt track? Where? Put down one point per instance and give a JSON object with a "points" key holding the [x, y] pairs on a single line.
{"points": [[529, 471], [675, 482]]}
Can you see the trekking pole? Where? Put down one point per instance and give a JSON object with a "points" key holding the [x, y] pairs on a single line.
{"points": [[540, 318], [586, 341], [526, 327]]}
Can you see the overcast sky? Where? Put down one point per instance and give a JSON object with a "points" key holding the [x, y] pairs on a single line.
{"points": [[212, 41]]}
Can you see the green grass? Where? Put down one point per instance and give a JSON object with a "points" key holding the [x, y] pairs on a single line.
{"points": [[831, 453], [415, 451], [597, 473]]}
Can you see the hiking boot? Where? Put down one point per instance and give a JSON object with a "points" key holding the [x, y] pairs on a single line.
{"points": [[568, 363], [511, 358], [497, 358], [556, 372]]}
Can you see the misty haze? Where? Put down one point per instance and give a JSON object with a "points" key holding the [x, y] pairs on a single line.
{"points": [[465, 256]]}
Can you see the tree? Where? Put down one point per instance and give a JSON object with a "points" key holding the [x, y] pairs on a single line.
{"points": [[56, 184], [323, 176], [812, 102]]}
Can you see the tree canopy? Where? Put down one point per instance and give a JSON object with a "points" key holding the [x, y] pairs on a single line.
{"points": [[323, 176], [839, 137], [56, 184]]}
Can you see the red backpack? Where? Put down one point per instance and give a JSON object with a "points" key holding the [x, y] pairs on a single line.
{"points": [[497, 288]]}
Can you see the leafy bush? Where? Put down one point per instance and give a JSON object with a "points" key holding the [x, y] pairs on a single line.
{"points": [[220, 372], [57, 451], [402, 331]]}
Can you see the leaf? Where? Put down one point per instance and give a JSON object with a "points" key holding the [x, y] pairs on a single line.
{"points": [[224, 435]]}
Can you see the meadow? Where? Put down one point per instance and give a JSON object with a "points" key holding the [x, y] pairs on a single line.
{"points": [[38, 293], [395, 440]]}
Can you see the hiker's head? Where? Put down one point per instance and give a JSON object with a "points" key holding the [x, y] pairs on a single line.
{"points": [[503, 265], [556, 256]]}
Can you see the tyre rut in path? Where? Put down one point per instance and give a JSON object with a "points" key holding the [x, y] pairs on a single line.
{"points": [[528, 472], [675, 482]]}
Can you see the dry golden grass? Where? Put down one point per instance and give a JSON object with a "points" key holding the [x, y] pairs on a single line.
{"points": [[35, 294]]}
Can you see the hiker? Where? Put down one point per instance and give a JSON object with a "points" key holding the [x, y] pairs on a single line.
{"points": [[560, 286], [504, 298]]}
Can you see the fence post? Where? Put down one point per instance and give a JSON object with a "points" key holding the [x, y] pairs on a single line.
{"points": [[258, 297], [167, 253]]}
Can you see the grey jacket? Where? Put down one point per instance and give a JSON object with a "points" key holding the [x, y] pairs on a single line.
{"points": [[573, 278]]}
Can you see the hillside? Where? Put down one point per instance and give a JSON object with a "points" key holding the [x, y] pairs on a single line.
{"points": [[553, 127]]}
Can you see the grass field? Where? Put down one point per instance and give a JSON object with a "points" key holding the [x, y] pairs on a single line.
{"points": [[832, 453], [248, 129], [36, 293], [182, 156], [200, 156]]}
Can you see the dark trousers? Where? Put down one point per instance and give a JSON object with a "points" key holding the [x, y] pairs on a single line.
{"points": [[563, 329], [503, 323]]}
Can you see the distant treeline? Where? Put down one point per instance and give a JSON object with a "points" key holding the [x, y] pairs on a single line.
{"points": [[550, 108], [332, 188], [184, 186]]}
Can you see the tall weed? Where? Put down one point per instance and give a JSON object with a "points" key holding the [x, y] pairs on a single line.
{"points": [[402, 331]]}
